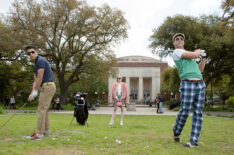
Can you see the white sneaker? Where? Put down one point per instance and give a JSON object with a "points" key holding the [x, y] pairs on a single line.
{"points": [[111, 123], [121, 123]]}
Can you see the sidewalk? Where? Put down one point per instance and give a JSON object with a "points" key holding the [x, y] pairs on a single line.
{"points": [[139, 111], [144, 111]]}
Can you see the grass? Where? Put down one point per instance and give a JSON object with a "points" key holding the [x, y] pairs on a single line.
{"points": [[2, 111], [139, 135]]}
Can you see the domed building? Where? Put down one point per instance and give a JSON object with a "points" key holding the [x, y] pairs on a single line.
{"points": [[142, 74]]}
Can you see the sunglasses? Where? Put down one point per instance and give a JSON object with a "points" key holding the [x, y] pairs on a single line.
{"points": [[177, 39], [31, 52]]}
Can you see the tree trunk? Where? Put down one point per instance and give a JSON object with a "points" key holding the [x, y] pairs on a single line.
{"points": [[63, 94], [63, 89]]}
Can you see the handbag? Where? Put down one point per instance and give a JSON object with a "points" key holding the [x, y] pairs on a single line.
{"points": [[119, 104]]}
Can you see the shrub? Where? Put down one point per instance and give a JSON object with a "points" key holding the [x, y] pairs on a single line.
{"points": [[230, 102], [2, 111], [173, 104]]}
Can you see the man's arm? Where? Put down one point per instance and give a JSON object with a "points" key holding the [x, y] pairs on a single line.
{"points": [[202, 64], [36, 84], [38, 79], [191, 55]]}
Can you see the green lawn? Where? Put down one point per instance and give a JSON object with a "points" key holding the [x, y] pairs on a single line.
{"points": [[139, 135]]}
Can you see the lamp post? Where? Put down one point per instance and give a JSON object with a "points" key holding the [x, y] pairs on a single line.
{"points": [[211, 85], [103, 95], [211, 92], [171, 95]]}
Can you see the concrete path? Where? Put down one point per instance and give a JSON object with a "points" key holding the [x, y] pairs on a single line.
{"points": [[139, 111], [144, 111]]}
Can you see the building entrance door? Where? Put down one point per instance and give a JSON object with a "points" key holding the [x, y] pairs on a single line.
{"points": [[146, 94], [133, 95]]}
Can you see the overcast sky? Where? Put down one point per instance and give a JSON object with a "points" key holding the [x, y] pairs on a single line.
{"points": [[144, 16]]}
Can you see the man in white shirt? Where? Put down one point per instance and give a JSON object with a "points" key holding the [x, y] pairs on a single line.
{"points": [[192, 89], [12, 102]]}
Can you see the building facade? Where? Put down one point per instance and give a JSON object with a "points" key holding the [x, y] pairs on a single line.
{"points": [[142, 75]]}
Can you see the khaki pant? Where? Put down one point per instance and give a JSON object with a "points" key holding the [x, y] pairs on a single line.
{"points": [[46, 94]]}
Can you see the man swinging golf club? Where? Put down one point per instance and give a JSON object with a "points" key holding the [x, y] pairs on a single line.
{"points": [[192, 89], [44, 79]]}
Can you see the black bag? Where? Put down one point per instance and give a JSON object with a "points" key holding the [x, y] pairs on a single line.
{"points": [[81, 109]]}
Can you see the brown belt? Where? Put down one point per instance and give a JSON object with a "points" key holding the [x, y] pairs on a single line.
{"points": [[194, 81]]}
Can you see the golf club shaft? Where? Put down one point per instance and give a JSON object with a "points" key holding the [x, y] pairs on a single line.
{"points": [[12, 115]]}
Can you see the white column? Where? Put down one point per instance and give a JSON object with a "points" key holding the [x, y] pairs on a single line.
{"points": [[111, 81], [154, 92], [140, 90], [128, 84]]}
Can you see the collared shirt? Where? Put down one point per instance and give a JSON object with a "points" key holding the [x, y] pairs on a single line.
{"points": [[40, 63]]}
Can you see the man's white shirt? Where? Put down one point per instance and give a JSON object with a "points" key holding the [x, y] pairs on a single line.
{"points": [[177, 54]]}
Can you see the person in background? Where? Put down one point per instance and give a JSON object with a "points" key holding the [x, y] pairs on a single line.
{"points": [[7, 100], [119, 93], [158, 101], [12, 101], [53, 102], [58, 104]]}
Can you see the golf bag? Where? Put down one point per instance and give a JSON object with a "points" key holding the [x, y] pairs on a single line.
{"points": [[81, 109]]}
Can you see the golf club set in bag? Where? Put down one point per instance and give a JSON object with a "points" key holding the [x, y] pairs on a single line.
{"points": [[81, 109]]}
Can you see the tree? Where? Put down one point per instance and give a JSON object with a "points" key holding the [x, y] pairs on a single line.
{"points": [[225, 87], [204, 33], [75, 37], [15, 75], [228, 10], [171, 80]]}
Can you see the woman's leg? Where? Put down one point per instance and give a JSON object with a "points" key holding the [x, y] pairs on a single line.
{"points": [[122, 110], [113, 115]]}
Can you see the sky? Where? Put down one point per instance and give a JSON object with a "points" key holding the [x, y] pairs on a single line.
{"points": [[145, 15]]}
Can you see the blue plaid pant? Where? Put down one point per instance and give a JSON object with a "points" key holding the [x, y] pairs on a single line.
{"points": [[191, 94]]}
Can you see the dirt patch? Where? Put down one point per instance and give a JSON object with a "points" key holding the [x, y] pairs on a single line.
{"points": [[65, 133], [7, 139], [153, 136], [228, 147], [58, 132], [53, 151], [147, 135]]}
